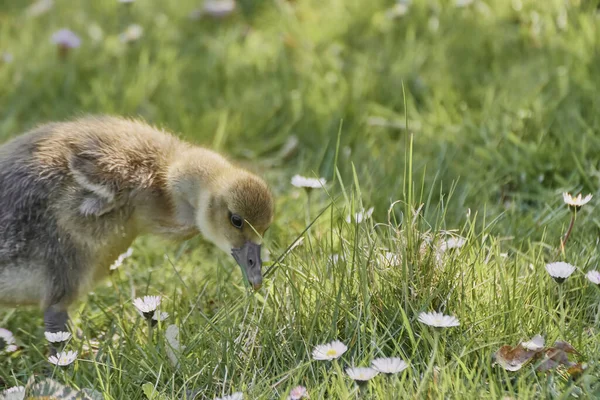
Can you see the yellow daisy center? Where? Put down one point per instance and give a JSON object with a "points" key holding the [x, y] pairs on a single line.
{"points": [[331, 353]]}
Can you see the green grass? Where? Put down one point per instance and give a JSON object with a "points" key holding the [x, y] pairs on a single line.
{"points": [[501, 102]]}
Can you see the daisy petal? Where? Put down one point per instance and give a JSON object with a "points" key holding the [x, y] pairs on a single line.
{"points": [[593, 276], [438, 320], [160, 315], [147, 304], [57, 337], [7, 341], [362, 374], [63, 358], [392, 365], [309, 183], [66, 38], [560, 271], [329, 351], [576, 202], [297, 393]]}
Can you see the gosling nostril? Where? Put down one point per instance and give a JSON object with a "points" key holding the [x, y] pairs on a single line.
{"points": [[251, 262]]}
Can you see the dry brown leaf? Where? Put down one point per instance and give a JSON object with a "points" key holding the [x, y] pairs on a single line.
{"points": [[557, 355], [575, 371], [547, 364], [566, 347], [513, 358]]}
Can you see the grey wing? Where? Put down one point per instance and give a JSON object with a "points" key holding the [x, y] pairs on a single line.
{"points": [[99, 197]]}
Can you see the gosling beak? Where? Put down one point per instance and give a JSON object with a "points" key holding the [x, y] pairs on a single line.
{"points": [[248, 257]]}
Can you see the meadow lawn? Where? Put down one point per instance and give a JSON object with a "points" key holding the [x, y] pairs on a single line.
{"points": [[452, 119]]}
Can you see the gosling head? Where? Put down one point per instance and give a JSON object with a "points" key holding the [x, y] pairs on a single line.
{"points": [[237, 213]]}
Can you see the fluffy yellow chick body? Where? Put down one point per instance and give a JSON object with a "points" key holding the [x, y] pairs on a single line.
{"points": [[74, 195]]}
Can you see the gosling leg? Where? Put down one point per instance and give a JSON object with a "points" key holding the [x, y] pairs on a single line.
{"points": [[55, 320]]}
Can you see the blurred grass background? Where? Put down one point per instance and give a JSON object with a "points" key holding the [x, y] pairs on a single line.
{"points": [[502, 99], [500, 93]]}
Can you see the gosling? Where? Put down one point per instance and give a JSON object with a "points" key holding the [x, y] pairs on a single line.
{"points": [[74, 195]]}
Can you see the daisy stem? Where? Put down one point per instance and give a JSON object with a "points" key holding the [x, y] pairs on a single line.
{"points": [[150, 330], [561, 306], [363, 390], [563, 240], [308, 207]]}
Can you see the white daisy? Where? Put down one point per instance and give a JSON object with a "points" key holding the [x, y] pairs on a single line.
{"points": [[593, 276], [66, 39], [428, 251], [361, 374], [119, 261], [7, 341], [13, 393], [297, 393], [560, 271], [6, 57], [132, 33], [452, 243], [576, 202], [147, 305], [391, 365], [433, 24], [334, 258], [39, 7], [398, 10], [438, 320], [7, 336], [11, 348], [15, 389], [57, 337], [536, 343], [218, 8], [63, 358], [329, 351], [389, 259], [234, 396], [308, 183], [160, 315], [360, 216], [463, 3], [95, 32]]}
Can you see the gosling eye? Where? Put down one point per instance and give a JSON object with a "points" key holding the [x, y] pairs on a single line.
{"points": [[237, 221]]}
